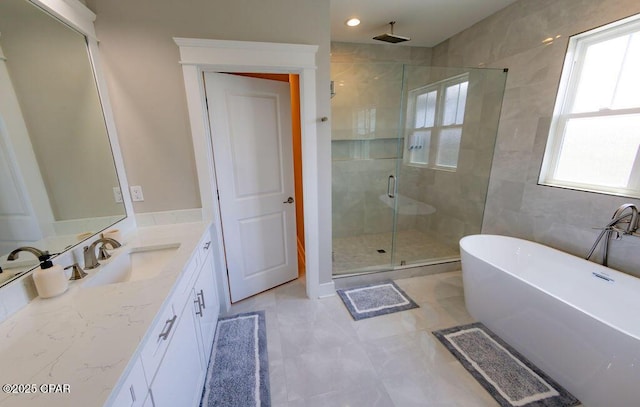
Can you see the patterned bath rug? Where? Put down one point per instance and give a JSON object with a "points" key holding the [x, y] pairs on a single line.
{"points": [[238, 374], [375, 299], [507, 375]]}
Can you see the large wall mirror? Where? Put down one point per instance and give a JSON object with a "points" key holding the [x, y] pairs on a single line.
{"points": [[58, 180]]}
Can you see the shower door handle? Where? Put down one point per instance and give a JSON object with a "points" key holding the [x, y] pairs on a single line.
{"points": [[391, 192]]}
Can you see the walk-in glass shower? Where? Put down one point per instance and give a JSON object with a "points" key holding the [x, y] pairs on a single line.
{"points": [[411, 148]]}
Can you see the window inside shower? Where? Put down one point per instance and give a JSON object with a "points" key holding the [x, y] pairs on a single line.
{"points": [[436, 116]]}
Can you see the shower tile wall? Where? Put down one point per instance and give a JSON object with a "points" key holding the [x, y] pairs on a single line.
{"points": [[366, 77], [516, 205]]}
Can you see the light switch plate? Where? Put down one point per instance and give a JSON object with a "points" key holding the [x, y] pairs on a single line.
{"points": [[136, 193]]}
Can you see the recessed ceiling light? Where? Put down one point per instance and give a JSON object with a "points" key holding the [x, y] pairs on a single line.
{"points": [[352, 22]]}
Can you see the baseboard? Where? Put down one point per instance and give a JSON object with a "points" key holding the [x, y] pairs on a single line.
{"points": [[326, 290]]}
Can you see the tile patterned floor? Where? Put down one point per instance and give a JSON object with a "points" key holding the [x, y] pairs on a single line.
{"points": [[361, 252], [319, 356]]}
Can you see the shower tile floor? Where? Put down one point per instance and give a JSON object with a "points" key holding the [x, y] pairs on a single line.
{"points": [[354, 253], [320, 356]]}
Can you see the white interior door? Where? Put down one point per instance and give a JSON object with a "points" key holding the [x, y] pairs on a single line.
{"points": [[18, 224], [250, 122]]}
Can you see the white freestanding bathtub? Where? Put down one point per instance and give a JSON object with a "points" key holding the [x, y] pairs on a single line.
{"points": [[576, 320]]}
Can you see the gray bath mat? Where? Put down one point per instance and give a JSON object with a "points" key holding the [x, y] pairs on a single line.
{"points": [[375, 299], [238, 374], [508, 376]]}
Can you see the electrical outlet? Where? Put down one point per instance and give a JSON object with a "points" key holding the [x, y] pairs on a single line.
{"points": [[136, 193], [117, 194]]}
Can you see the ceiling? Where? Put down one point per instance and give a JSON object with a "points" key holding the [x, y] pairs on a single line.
{"points": [[426, 22]]}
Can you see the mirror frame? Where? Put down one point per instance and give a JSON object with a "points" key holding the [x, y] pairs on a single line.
{"points": [[78, 17]]}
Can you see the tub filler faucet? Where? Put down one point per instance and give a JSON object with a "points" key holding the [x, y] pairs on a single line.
{"points": [[619, 217], [626, 214]]}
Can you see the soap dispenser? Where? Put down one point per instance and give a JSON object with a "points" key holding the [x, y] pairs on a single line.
{"points": [[50, 279]]}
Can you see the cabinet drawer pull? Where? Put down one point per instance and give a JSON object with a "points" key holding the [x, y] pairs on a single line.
{"points": [[201, 298], [206, 245], [199, 311], [168, 326], [133, 394]]}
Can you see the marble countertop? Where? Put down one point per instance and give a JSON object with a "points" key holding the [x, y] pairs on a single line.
{"points": [[86, 337]]}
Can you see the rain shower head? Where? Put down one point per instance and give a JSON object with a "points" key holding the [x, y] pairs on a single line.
{"points": [[391, 37]]}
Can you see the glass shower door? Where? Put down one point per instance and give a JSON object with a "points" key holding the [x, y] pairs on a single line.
{"points": [[450, 122], [365, 110], [412, 148]]}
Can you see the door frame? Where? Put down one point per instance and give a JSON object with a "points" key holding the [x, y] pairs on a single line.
{"points": [[202, 55]]}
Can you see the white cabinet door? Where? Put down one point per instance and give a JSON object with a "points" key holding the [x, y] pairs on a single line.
{"points": [[178, 381], [207, 305], [134, 390], [18, 222], [161, 336]]}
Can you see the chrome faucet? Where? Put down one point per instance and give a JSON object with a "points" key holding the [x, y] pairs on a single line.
{"points": [[632, 219], [90, 260], [36, 252]]}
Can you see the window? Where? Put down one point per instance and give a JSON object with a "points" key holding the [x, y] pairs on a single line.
{"points": [[434, 131], [365, 122], [594, 139]]}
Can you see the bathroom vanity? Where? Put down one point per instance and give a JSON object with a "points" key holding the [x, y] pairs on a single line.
{"points": [[142, 341], [171, 363]]}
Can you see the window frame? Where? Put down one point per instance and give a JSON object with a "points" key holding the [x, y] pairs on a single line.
{"points": [[434, 145], [566, 99], [367, 117]]}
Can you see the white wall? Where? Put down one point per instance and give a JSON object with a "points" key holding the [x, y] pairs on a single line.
{"points": [[146, 85], [147, 88]]}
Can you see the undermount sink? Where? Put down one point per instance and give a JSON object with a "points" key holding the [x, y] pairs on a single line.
{"points": [[138, 263]]}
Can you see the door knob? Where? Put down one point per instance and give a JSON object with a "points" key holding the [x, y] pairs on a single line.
{"points": [[290, 200]]}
